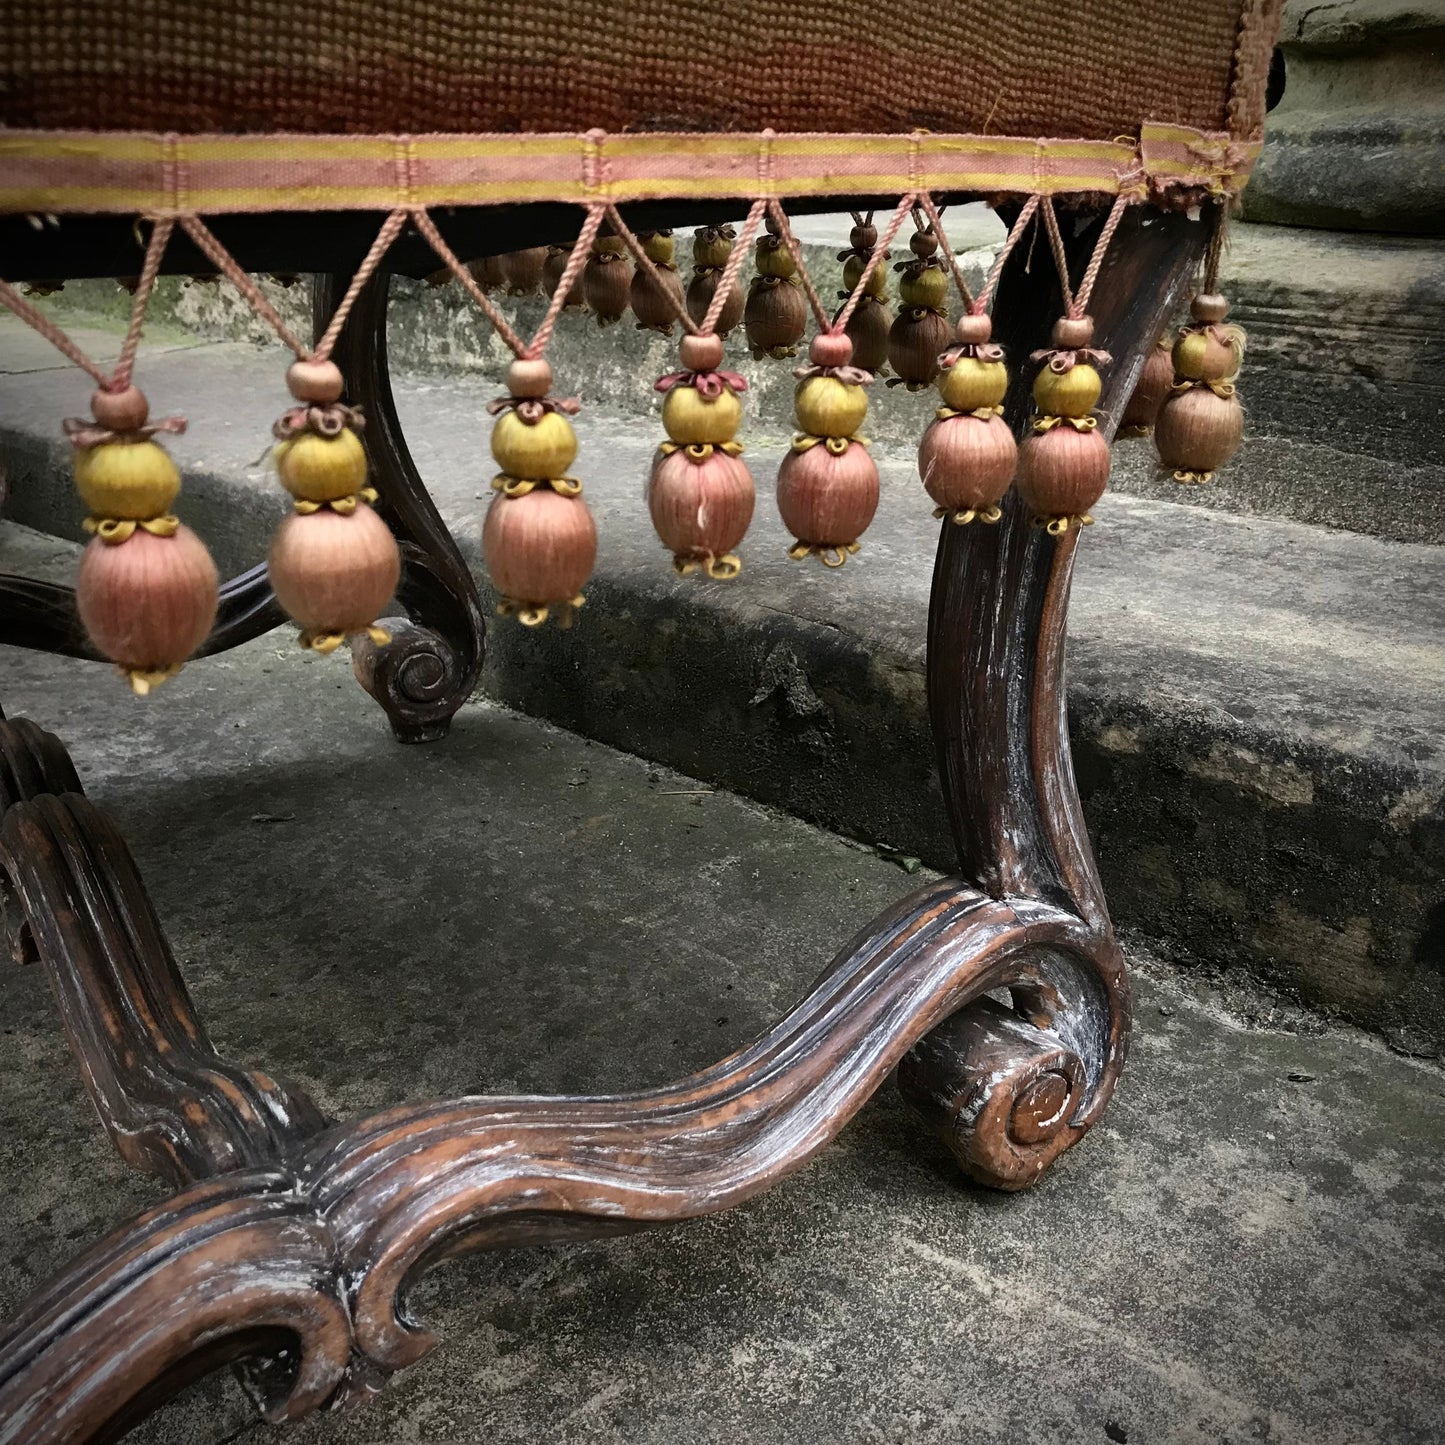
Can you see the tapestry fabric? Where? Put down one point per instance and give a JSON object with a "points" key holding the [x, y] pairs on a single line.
{"points": [[1085, 69]]}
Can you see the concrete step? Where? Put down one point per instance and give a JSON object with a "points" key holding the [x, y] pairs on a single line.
{"points": [[1344, 383], [1255, 703], [1247, 1247]]}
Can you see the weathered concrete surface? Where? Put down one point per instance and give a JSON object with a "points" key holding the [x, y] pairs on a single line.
{"points": [[1357, 139], [1249, 1247], [1256, 704]]}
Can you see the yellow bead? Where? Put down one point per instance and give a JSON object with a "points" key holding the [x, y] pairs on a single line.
{"points": [[971, 385], [928, 287], [827, 407], [322, 469], [539, 452], [1199, 357], [690, 419], [711, 248], [659, 248], [774, 258], [128, 481], [877, 281], [1074, 392]]}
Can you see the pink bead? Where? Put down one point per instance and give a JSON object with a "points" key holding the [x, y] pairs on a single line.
{"points": [[1062, 472], [700, 509], [973, 329], [827, 500], [831, 348], [967, 462], [334, 573], [148, 602], [539, 548]]}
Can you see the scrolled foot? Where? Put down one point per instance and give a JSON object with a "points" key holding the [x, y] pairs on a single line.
{"points": [[1000, 1092], [416, 675]]}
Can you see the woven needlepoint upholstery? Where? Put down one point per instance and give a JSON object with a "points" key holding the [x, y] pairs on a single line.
{"points": [[1077, 68]]}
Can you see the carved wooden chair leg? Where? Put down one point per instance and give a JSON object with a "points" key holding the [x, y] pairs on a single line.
{"points": [[432, 663], [74, 901], [231, 1268], [1002, 1085]]}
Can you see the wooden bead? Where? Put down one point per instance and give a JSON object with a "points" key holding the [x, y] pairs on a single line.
{"points": [[1072, 333], [1074, 392], [321, 469], [775, 318], [970, 384], [967, 462], [700, 509], [334, 574], [126, 480], [522, 270], [700, 353], [700, 291], [827, 407], [1197, 431], [540, 548], [863, 237], [149, 602], [827, 501], [120, 411], [915, 341], [1209, 308], [315, 383], [923, 244], [867, 329], [529, 377], [692, 419], [1062, 472], [1149, 391], [539, 451]]}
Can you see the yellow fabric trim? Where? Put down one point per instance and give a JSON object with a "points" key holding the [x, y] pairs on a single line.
{"points": [[121, 172]]}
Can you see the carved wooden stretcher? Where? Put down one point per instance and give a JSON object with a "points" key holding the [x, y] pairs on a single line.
{"points": [[291, 1242]]}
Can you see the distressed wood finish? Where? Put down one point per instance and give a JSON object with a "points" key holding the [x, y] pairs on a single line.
{"points": [[301, 1251], [434, 659], [378, 1201], [233, 1267], [73, 900]]}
